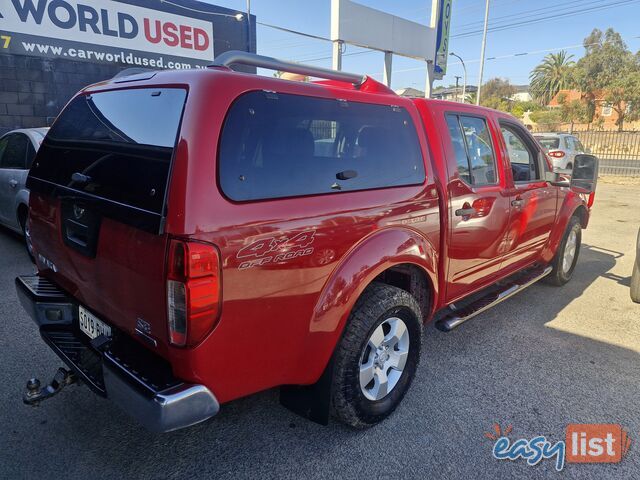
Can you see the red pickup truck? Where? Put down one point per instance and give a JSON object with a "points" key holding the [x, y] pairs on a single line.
{"points": [[204, 235]]}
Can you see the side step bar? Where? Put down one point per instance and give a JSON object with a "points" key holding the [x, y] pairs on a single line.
{"points": [[458, 316]]}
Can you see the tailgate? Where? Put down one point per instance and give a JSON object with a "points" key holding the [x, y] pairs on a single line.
{"points": [[98, 203]]}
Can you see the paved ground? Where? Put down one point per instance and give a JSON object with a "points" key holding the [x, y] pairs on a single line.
{"points": [[543, 359]]}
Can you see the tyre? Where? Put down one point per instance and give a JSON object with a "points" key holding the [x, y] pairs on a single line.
{"points": [[377, 357], [26, 234], [635, 276], [635, 283], [566, 257], [569, 166]]}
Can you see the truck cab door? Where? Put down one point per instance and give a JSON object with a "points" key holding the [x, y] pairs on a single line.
{"points": [[478, 206], [533, 202]]}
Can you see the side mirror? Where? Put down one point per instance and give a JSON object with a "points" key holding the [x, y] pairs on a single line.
{"points": [[585, 173]]}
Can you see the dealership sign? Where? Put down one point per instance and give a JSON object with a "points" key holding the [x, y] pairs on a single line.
{"points": [[99, 26], [442, 38]]}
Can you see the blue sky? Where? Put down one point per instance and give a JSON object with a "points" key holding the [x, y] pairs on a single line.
{"points": [[313, 16]]}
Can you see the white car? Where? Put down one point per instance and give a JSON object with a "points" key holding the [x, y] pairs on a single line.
{"points": [[17, 150], [561, 148]]}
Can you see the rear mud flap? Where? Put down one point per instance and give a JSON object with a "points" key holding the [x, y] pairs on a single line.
{"points": [[312, 402]]}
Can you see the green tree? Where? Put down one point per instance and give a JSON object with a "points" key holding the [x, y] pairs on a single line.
{"points": [[497, 93], [555, 73], [571, 112], [518, 109], [610, 71], [548, 119], [498, 87]]}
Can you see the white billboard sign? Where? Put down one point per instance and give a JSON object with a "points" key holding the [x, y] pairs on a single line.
{"points": [[110, 24], [370, 28]]}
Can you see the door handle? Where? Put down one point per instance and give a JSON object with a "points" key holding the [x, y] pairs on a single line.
{"points": [[465, 212], [13, 183], [518, 203]]}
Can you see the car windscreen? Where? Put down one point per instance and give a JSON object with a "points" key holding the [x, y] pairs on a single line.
{"points": [[115, 145], [549, 143]]}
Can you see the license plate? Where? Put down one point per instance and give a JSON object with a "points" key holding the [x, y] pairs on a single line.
{"points": [[91, 325]]}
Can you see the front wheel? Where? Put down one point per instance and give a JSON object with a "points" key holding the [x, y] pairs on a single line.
{"points": [[564, 262], [377, 357], [635, 276]]}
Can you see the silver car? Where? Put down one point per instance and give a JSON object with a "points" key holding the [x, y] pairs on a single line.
{"points": [[17, 151], [561, 148]]}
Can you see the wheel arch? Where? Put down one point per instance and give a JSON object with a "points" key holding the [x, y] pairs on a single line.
{"points": [[573, 205], [21, 205], [22, 212], [583, 215], [396, 256]]}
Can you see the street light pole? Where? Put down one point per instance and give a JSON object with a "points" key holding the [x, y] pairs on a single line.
{"points": [[464, 81], [484, 45], [250, 40]]}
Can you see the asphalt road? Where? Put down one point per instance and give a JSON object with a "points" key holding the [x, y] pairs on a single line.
{"points": [[543, 359]]}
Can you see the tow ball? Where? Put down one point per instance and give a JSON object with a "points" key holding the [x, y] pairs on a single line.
{"points": [[35, 394]]}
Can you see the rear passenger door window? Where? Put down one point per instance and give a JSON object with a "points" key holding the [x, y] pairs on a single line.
{"points": [[473, 149], [281, 145], [522, 156], [14, 155]]}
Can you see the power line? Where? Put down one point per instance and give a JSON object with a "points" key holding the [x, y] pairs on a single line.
{"points": [[526, 13], [501, 57], [548, 17], [288, 30]]}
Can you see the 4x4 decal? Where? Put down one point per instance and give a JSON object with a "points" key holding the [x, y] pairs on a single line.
{"points": [[272, 249]]}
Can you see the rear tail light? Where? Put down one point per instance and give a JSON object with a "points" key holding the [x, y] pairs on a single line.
{"points": [[557, 154], [193, 291]]}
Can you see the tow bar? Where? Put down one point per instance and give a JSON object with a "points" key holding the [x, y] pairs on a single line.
{"points": [[34, 394]]}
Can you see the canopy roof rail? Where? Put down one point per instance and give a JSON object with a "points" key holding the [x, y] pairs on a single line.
{"points": [[237, 57]]}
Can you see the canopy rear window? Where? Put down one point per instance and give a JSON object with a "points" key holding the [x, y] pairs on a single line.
{"points": [[115, 145]]}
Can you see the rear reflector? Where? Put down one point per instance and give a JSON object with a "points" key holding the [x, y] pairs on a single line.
{"points": [[177, 309], [193, 291]]}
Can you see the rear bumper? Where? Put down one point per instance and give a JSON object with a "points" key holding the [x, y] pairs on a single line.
{"points": [[137, 380]]}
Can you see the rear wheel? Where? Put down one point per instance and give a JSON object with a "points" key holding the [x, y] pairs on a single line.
{"points": [[566, 257], [377, 357], [23, 217], [569, 166]]}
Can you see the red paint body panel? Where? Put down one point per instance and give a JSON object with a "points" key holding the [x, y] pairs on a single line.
{"points": [[282, 318]]}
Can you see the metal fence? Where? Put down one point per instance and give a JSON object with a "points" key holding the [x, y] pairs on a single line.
{"points": [[619, 152]]}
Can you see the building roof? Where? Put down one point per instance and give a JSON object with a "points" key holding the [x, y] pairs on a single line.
{"points": [[455, 90], [570, 95], [410, 92]]}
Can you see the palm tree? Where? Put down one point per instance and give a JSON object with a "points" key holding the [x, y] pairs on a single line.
{"points": [[551, 76]]}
